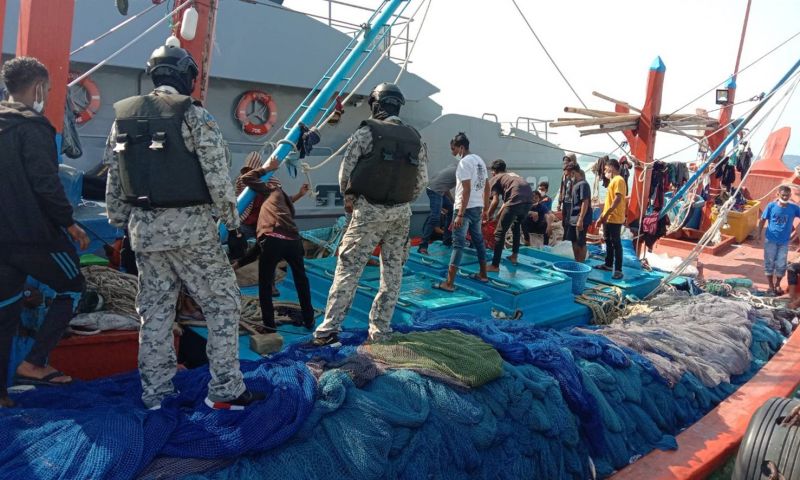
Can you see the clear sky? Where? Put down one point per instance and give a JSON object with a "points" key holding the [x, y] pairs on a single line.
{"points": [[483, 58]]}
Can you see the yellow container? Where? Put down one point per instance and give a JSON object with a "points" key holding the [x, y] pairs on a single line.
{"points": [[740, 224]]}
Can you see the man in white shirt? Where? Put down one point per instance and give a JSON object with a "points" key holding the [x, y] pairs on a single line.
{"points": [[472, 194]]}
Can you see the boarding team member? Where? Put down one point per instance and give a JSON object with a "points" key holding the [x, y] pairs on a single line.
{"points": [[169, 217], [35, 219], [384, 168]]}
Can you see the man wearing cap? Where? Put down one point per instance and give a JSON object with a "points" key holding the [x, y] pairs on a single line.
{"points": [[384, 168]]}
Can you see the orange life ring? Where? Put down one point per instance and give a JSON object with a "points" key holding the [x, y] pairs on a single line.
{"points": [[248, 107], [85, 110]]}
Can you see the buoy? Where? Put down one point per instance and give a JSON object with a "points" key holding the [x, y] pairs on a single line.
{"points": [[189, 24], [258, 104], [767, 441], [86, 109]]}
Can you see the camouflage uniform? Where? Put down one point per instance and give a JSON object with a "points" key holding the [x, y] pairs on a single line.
{"points": [[370, 224], [180, 247]]}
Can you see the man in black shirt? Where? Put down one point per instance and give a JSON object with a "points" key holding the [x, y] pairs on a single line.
{"points": [[579, 218]]}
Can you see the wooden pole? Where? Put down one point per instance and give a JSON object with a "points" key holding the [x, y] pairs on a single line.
{"points": [[45, 32], [595, 121], [615, 128], [613, 100], [591, 113]]}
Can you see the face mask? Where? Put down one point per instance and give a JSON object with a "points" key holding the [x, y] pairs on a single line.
{"points": [[782, 201], [38, 105]]}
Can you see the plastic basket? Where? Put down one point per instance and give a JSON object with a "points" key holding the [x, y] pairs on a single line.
{"points": [[578, 272]]}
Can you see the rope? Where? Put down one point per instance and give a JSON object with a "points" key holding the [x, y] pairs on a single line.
{"points": [[722, 216], [113, 29], [740, 71], [605, 302], [117, 289], [413, 43], [127, 45], [552, 60]]}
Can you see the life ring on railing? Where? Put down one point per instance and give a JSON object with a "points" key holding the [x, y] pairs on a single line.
{"points": [[85, 101], [256, 112]]}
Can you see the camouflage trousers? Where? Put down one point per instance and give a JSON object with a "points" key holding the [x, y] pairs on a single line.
{"points": [[204, 270], [360, 239]]}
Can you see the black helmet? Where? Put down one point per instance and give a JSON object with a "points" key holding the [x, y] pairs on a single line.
{"points": [[387, 93], [167, 59]]}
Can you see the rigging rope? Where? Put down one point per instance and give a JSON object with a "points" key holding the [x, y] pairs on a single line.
{"points": [[725, 208], [127, 45], [113, 29], [413, 43]]}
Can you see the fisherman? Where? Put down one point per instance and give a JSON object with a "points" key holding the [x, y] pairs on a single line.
{"points": [[35, 219], [579, 217], [173, 232], [543, 188], [539, 220], [779, 217], [278, 239], [517, 198], [384, 169], [249, 218], [440, 198], [472, 194], [613, 218], [565, 192]]}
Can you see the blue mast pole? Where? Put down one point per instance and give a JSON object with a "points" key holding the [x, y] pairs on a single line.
{"points": [[318, 104], [716, 153]]}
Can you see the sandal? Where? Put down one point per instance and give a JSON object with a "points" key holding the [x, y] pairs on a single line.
{"points": [[46, 381], [779, 291], [770, 292], [477, 277], [443, 286], [604, 267]]}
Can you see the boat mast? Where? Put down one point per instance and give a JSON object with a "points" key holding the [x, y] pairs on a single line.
{"points": [[45, 32], [716, 137], [201, 46]]}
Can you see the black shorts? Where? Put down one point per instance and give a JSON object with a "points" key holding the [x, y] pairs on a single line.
{"points": [[573, 235]]}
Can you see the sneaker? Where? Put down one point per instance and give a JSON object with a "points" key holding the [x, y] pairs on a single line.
{"points": [[239, 403], [329, 341]]}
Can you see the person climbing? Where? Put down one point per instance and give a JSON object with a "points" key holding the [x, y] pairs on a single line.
{"points": [[579, 218], [613, 218], [472, 195], [35, 223], [384, 168], [172, 227], [440, 198], [278, 239], [779, 217], [517, 198]]}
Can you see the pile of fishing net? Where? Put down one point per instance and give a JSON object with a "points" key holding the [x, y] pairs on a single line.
{"points": [[528, 403]]}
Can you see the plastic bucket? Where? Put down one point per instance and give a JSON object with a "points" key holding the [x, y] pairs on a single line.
{"points": [[578, 272]]}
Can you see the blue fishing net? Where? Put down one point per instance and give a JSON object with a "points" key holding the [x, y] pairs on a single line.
{"points": [[566, 400]]}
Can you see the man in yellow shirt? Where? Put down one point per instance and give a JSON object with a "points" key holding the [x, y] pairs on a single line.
{"points": [[613, 218]]}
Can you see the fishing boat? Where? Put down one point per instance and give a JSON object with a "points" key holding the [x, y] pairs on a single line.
{"points": [[526, 376]]}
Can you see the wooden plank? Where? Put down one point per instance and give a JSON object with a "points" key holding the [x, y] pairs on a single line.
{"points": [[590, 122], [591, 113], [616, 128], [614, 100], [706, 445]]}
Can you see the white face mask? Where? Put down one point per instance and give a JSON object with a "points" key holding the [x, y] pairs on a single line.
{"points": [[782, 201], [459, 156], [38, 105]]}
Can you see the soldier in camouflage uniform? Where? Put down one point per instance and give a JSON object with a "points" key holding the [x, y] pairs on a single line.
{"points": [[383, 169], [172, 230]]}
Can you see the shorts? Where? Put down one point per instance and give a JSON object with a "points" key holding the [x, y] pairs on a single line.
{"points": [[775, 256], [573, 235]]}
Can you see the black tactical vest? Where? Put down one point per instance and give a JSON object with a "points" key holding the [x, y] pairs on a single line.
{"points": [[156, 169], [388, 174]]}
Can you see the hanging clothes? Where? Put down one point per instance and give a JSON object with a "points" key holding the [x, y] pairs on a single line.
{"points": [[659, 184], [625, 169], [726, 173], [599, 169], [744, 161]]}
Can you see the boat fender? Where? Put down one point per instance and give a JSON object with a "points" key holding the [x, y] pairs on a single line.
{"points": [[248, 104], [84, 113], [769, 444]]}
